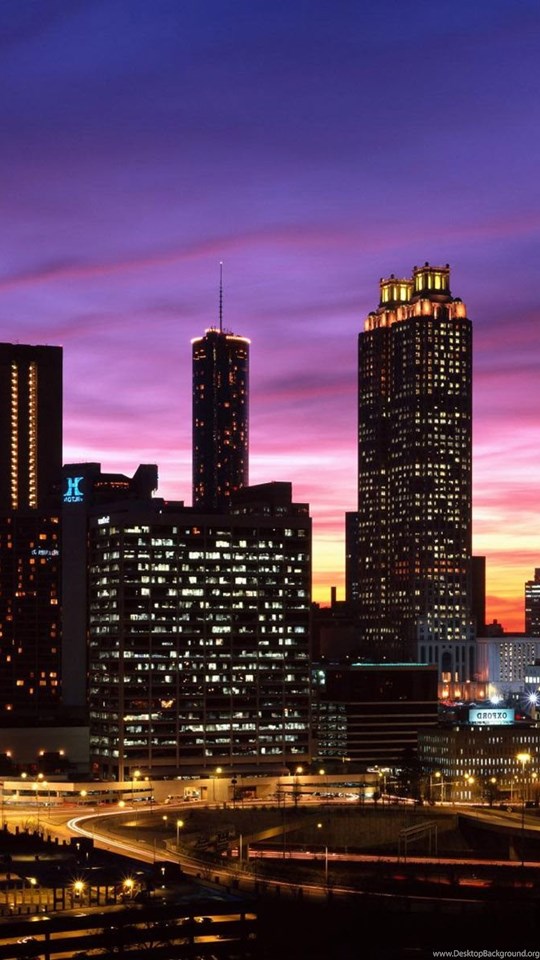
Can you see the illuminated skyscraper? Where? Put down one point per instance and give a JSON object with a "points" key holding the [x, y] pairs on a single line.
{"points": [[30, 426], [31, 454], [220, 415], [415, 475], [532, 605]]}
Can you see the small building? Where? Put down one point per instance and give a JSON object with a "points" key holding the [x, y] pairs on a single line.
{"points": [[489, 755], [372, 713]]}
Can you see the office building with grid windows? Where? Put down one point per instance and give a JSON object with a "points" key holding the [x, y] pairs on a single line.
{"points": [[199, 635]]}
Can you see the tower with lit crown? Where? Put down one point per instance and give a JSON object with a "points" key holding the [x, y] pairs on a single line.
{"points": [[415, 475]]}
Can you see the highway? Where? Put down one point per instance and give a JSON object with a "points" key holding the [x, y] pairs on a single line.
{"points": [[98, 824]]}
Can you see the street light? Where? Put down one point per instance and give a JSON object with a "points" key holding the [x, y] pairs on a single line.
{"points": [[523, 758], [214, 778], [179, 825], [78, 889], [298, 771], [134, 776], [319, 827], [439, 783], [469, 780], [128, 886]]}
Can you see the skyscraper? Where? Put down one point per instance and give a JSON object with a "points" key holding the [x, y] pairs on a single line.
{"points": [[220, 415], [532, 605], [87, 489], [30, 426], [415, 474], [31, 456]]}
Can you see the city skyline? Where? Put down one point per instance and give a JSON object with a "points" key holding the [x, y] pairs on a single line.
{"points": [[313, 151]]}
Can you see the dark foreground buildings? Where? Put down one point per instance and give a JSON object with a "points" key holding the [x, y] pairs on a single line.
{"points": [[414, 475]]}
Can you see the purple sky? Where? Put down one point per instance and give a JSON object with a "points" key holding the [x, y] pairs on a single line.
{"points": [[313, 147]]}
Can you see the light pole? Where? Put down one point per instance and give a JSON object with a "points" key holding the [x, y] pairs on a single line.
{"points": [[134, 776], [439, 782], [35, 788], [319, 827], [298, 771], [214, 778], [523, 758], [127, 887], [78, 890], [179, 825]]}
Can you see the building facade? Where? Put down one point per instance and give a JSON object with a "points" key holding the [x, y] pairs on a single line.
{"points": [[199, 635], [503, 662], [415, 475], [532, 605], [30, 532], [371, 713], [30, 426], [86, 488], [479, 760], [220, 417]]}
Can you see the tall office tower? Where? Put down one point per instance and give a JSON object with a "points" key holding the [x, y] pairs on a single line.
{"points": [[532, 605], [415, 475], [199, 635], [31, 454], [30, 426], [220, 416], [85, 489]]}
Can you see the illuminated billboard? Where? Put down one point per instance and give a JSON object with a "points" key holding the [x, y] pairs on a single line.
{"points": [[492, 716]]}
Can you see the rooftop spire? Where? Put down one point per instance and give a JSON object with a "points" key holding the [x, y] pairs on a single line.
{"points": [[221, 296]]}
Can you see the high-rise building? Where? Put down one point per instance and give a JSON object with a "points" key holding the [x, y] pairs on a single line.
{"points": [[86, 488], [351, 556], [30, 426], [532, 605], [220, 416], [478, 595], [415, 475], [199, 635], [30, 537]]}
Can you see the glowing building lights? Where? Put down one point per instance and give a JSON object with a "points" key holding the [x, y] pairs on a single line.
{"points": [[195, 665], [412, 553], [220, 417]]}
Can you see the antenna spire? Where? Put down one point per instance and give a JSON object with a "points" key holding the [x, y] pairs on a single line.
{"points": [[221, 296]]}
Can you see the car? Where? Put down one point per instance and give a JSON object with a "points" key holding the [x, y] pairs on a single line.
{"points": [[32, 947]]}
